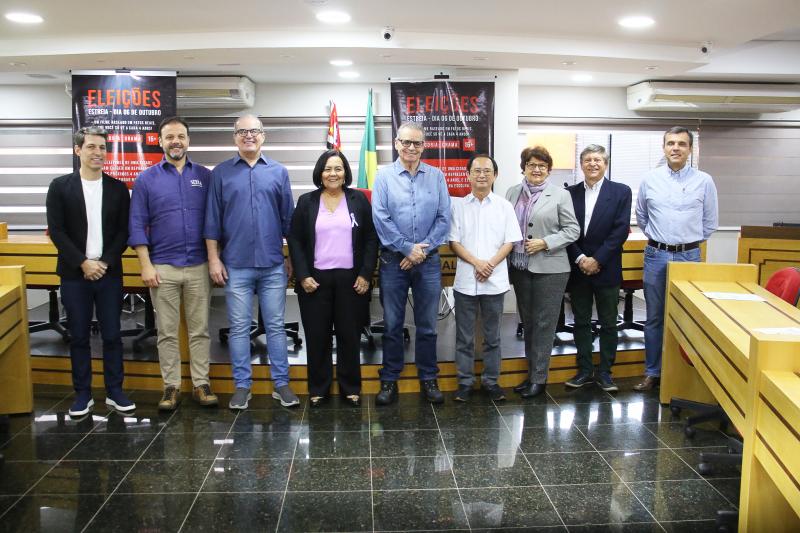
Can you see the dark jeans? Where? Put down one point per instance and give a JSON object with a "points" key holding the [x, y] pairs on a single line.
{"points": [[81, 298], [425, 282], [334, 305], [606, 300]]}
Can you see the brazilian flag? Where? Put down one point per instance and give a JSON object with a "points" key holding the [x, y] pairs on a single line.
{"points": [[368, 159]]}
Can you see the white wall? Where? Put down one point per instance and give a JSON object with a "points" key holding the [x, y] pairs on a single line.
{"points": [[34, 102], [603, 102]]}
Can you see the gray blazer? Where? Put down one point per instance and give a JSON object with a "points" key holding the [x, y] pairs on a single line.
{"points": [[552, 219]]}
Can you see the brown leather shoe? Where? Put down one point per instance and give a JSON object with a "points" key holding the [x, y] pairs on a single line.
{"points": [[649, 383], [204, 396], [170, 399]]}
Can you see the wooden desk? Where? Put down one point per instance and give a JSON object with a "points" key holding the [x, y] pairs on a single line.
{"points": [[729, 357], [769, 248], [16, 382], [38, 255], [770, 499]]}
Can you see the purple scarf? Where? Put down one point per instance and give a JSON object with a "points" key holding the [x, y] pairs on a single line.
{"points": [[528, 197]]}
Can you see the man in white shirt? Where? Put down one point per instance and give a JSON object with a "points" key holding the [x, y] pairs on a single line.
{"points": [[87, 215], [483, 230]]}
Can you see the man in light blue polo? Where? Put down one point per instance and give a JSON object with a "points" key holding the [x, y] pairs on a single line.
{"points": [[411, 211], [677, 209], [248, 213]]}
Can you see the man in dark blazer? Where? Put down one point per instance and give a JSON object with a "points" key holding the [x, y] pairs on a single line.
{"points": [[603, 209], [87, 216]]}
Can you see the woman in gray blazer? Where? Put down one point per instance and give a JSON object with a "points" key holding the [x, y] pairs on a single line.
{"points": [[539, 265]]}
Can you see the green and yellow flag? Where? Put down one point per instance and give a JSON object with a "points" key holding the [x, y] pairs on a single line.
{"points": [[368, 159]]}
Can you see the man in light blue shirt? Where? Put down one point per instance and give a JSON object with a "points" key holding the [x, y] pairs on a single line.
{"points": [[677, 209], [411, 211]]}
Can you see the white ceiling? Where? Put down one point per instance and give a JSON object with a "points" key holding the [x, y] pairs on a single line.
{"points": [[281, 41]]}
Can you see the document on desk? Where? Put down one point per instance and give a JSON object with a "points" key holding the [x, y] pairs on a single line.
{"points": [[778, 331], [740, 296]]}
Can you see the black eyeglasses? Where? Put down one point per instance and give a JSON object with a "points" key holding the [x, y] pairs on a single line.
{"points": [[407, 143], [245, 133]]}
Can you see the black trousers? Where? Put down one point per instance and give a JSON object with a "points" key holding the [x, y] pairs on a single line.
{"points": [[335, 304]]}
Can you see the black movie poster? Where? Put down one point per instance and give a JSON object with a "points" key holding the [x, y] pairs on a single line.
{"points": [[458, 118], [129, 105]]}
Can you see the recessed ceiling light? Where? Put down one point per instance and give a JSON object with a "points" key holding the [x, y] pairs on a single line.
{"points": [[317, 3], [189, 57], [228, 64], [479, 58], [24, 18], [287, 56], [636, 22], [581, 77], [349, 74], [38, 76], [17, 64], [386, 56], [340, 62], [568, 63], [333, 17], [100, 60], [651, 67]]}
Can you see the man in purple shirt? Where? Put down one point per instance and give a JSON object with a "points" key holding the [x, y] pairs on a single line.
{"points": [[168, 209]]}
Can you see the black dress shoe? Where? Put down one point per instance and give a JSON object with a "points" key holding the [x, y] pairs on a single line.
{"points": [[316, 401], [463, 392], [353, 400], [522, 386], [534, 389], [388, 393], [431, 391]]}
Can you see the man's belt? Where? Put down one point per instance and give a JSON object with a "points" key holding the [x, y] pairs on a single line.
{"points": [[673, 247]]}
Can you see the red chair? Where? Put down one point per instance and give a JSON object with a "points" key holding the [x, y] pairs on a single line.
{"points": [[785, 284]]}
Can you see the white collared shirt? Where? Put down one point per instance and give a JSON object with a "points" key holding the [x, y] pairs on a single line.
{"points": [[482, 227], [591, 193]]}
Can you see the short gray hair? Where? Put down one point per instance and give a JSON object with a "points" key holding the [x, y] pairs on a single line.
{"points": [[80, 136], [416, 126], [595, 149], [247, 115]]}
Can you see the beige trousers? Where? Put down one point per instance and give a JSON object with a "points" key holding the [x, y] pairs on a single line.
{"points": [[193, 285]]}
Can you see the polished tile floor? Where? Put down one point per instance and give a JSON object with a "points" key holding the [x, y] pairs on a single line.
{"points": [[571, 461]]}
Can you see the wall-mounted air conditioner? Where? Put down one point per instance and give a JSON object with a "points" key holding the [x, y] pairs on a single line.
{"points": [[215, 92], [713, 97]]}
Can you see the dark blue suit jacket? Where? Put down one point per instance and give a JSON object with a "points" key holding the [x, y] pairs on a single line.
{"points": [[608, 230]]}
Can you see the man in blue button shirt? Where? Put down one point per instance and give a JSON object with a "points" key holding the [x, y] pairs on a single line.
{"points": [[411, 211], [168, 208], [677, 209], [248, 214]]}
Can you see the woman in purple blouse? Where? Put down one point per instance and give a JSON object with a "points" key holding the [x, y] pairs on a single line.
{"points": [[333, 248]]}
